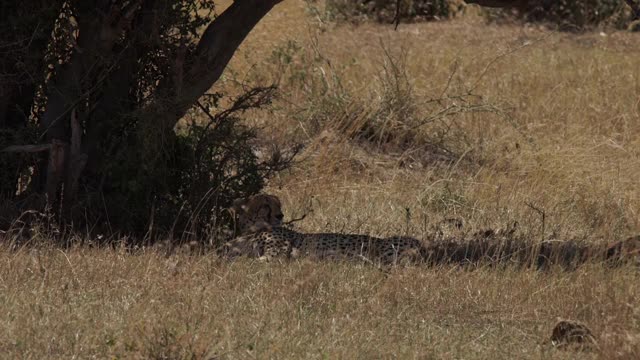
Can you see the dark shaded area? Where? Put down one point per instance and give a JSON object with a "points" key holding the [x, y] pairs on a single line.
{"points": [[493, 248], [390, 11], [566, 15], [91, 96]]}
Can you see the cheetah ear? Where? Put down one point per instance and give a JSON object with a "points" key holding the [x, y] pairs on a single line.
{"points": [[238, 212], [238, 205]]}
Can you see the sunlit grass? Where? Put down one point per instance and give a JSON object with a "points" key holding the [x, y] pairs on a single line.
{"points": [[562, 137]]}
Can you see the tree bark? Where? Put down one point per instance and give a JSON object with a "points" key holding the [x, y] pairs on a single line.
{"points": [[75, 159], [72, 85], [116, 98]]}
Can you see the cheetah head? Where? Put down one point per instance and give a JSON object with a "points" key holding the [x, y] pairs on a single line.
{"points": [[256, 213]]}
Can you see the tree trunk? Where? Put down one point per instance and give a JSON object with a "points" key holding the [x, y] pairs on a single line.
{"points": [[65, 92], [72, 85], [70, 89]]}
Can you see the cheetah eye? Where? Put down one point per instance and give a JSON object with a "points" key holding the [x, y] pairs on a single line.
{"points": [[280, 216]]}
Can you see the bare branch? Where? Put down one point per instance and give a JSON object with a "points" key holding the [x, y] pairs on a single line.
{"points": [[27, 148], [295, 220]]}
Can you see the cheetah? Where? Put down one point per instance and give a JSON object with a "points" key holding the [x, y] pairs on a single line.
{"points": [[256, 213], [263, 236]]}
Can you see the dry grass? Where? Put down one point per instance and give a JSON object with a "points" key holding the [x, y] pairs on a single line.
{"points": [[107, 303], [562, 133]]}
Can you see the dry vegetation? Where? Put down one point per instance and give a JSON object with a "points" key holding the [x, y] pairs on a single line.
{"points": [[97, 303], [402, 129]]}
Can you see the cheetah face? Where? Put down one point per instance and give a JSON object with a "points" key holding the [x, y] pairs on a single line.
{"points": [[257, 213]]}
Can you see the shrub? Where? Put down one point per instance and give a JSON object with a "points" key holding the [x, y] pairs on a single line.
{"points": [[384, 11], [183, 192], [201, 170], [568, 15]]}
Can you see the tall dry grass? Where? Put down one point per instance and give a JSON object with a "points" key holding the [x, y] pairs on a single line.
{"points": [[499, 118], [88, 303], [402, 129]]}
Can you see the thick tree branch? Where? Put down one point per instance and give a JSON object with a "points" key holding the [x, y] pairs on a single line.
{"points": [[217, 45], [26, 148]]}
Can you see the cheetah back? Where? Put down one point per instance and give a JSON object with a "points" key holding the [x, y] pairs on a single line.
{"points": [[265, 244], [332, 245]]}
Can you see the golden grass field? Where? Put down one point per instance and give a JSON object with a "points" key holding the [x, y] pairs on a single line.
{"points": [[402, 129]]}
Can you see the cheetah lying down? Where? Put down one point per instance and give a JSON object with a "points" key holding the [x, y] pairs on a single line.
{"points": [[283, 242], [259, 221], [262, 235]]}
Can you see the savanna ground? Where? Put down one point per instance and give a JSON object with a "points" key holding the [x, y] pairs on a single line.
{"points": [[402, 129]]}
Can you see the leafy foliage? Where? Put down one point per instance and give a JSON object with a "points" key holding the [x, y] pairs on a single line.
{"points": [[198, 174]]}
